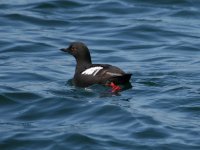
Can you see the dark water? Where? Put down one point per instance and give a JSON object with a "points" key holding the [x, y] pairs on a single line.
{"points": [[157, 40]]}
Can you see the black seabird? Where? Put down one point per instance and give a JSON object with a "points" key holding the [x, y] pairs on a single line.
{"points": [[87, 74]]}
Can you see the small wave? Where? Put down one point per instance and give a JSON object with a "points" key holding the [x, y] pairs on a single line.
{"points": [[7, 100], [19, 97], [35, 20], [58, 4]]}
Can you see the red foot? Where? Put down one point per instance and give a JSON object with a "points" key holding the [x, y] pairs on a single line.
{"points": [[115, 88]]}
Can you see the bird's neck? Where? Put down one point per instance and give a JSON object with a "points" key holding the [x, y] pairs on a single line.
{"points": [[83, 64], [83, 61]]}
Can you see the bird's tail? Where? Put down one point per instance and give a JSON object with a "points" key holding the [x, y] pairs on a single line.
{"points": [[123, 79]]}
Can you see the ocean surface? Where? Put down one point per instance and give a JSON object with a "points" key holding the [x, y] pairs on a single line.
{"points": [[158, 41]]}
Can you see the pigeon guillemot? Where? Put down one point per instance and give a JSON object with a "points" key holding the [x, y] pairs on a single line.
{"points": [[87, 74]]}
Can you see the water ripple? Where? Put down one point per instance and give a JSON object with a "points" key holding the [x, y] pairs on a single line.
{"points": [[157, 41]]}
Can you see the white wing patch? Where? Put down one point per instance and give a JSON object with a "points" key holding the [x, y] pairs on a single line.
{"points": [[92, 71]]}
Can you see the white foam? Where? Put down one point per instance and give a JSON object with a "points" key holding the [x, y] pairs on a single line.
{"points": [[92, 71]]}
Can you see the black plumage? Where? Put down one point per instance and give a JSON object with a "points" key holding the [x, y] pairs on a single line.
{"points": [[87, 74]]}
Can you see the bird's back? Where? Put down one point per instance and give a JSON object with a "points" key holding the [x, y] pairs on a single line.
{"points": [[101, 74]]}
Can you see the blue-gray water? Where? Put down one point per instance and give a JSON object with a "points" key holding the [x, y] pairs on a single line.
{"points": [[158, 41]]}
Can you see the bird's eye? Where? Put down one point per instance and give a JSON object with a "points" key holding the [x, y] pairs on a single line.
{"points": [[73, 49]]}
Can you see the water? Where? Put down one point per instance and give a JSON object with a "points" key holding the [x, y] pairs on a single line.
{"points": [[156, 40]]}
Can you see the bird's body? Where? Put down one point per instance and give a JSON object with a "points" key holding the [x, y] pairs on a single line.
{"points": [[87, 74]]}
